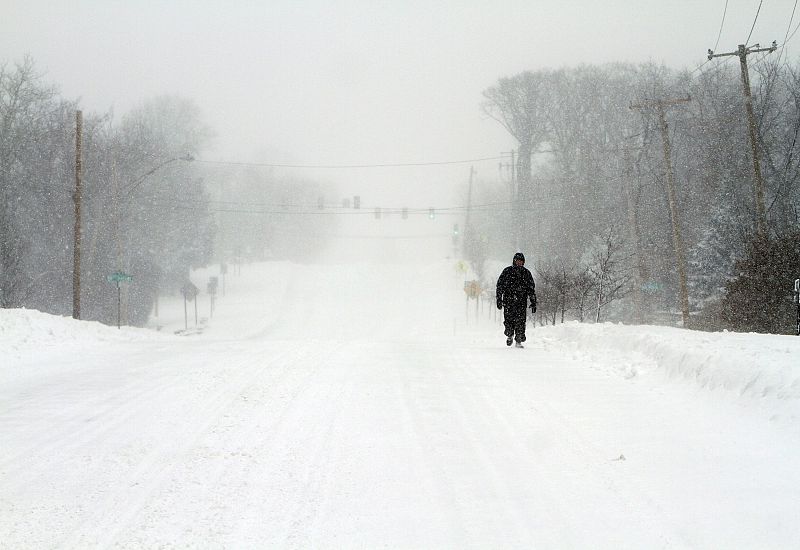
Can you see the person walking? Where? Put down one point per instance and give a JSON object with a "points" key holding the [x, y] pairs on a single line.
{"points": [[515, 287]]}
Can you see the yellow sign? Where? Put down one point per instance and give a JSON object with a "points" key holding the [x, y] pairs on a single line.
{"points": [[472, 288]]}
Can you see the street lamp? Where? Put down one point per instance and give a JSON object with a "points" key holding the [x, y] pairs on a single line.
{"points": [[119, 276], [188, 157]]}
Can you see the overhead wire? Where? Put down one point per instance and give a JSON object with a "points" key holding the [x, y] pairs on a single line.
{"points": [[789, 26], [781, 49], [754, 22], [789, 37], [719, 34], [349, 166], [724, 12], [309, 209]]}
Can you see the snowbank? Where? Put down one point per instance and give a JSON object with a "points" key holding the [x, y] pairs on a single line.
{"points": [[751, 365], [27, 330]]}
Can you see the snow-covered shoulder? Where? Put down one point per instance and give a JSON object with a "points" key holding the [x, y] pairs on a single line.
{"points": [[752, 365], [26, 330]]}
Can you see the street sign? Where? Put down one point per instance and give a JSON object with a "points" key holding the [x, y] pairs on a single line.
{"points": [[651, 286], [189, 291], [797, 301], [119, 277]]}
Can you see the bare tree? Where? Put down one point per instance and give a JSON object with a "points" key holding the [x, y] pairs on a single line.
{"points": [[610, 269], [520, 104], [582, 290], [26, 108]]}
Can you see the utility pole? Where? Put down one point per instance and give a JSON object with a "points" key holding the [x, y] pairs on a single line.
{"points": [[76, 249], [516, 213], [758, 183], [628, 168], [464, 242], [677, 240]]}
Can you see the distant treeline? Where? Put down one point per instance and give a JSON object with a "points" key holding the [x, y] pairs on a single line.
{"points": [[147, 209], [590, 181]]}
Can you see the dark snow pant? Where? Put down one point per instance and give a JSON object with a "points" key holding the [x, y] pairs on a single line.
{"points": [[514, 321]]}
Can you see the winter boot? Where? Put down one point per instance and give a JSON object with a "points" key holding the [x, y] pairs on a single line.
{"points": [[508, 341]]}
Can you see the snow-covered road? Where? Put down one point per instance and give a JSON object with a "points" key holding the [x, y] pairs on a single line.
{"points": [[353, 406]]}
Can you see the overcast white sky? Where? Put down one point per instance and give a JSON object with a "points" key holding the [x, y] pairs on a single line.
{"points": [[357, 82]]}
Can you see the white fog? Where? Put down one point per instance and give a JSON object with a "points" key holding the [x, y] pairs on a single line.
{"points": [[402, 275]]}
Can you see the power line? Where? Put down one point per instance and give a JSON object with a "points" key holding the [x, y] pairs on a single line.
{"points": [[337, 207], [173, 206], [308, 210], [336, 166], [754, 23], [719, 34], [725, 11], [719, 66], [789, 26], [794, 31]]}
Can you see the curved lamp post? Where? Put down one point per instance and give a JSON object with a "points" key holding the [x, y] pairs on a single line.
{"points": [[120, 276]]}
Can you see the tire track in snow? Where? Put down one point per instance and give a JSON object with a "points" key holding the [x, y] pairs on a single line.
{"points": [[121, 462], [207, 508], [43, 446], [593, 474], [446, 419], [154, 470]]}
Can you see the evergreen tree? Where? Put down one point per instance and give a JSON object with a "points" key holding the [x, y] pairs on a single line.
{"points": [[760, 298]]}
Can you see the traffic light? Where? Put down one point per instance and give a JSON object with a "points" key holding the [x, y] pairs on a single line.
{"points": [[431, 213], [455, 230], [377, 213], [405, 213], [357, 202]]}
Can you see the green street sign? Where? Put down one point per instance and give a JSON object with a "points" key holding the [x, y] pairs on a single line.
{"points": [[119, 277], [652, 286]]}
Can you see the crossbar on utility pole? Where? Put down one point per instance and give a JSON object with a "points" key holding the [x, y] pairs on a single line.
{"points": [[677, 239], [76, 249], [758, 182]]}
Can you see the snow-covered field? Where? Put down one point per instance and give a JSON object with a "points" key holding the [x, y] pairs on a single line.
{"points": [[357, 405]]}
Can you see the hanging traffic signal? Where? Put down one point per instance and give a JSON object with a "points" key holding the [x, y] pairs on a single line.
{"points": [[455, 230], [431, 213]]}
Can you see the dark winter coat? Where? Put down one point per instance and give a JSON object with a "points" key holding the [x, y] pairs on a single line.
{"points": [[515, 286]]}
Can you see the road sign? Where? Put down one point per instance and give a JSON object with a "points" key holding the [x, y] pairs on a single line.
{"points": [[652, 286], [119, 277], [189, 291]]}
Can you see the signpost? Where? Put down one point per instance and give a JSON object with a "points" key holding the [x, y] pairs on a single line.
{"points": [[797, 302], [223, 270], [189, 292], [119, 277], [212, 291]]}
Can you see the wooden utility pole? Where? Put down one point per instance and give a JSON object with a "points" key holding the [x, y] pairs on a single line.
{"points": [[677, 240], [758, 182], [516, 213], [633, 227], [464, 242], [76, 249]]}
